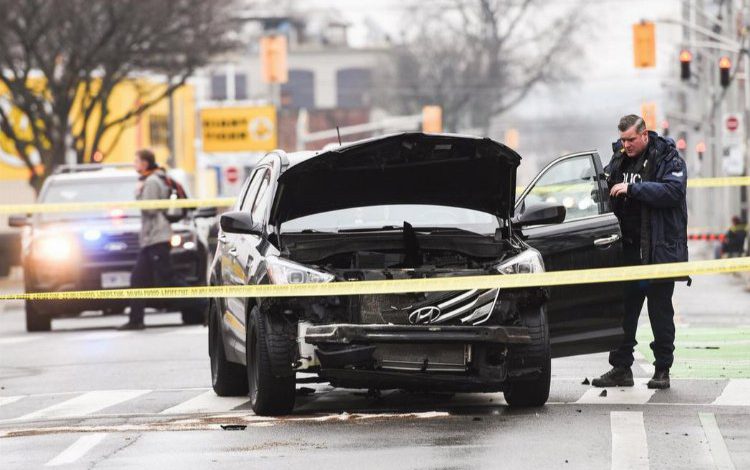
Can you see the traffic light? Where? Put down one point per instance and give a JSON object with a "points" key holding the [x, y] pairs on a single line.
{"points": [[432, 119], [644, 45], [700, 149], [685, 58], [273, 59], [724, 65]]}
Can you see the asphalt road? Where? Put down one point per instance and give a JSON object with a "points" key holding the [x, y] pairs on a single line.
{"points": [[87, 396]]}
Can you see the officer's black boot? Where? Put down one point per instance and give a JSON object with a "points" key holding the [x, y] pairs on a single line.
{"points": [[617, 377], [660, 379]]}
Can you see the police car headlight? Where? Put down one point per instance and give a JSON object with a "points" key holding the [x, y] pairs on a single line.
{"points": [[282, 271], [54, 248], [529, 261]]}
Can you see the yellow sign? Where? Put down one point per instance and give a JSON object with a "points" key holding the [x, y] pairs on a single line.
{"points": [[239, 129]]}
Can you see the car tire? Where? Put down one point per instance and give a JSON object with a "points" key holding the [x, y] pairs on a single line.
{"points": [[271, 390], [522, 392], [35, 320], [228, 379]]}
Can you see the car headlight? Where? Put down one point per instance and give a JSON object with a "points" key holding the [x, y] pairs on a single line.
{"points": [[282, 271], [529, 261], [54, 248], [185, 240]]}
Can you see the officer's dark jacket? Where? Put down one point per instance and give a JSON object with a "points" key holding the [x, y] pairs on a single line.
{"points": [[662, 192]]}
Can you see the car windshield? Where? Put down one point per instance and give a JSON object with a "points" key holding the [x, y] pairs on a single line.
{"points": [[93, 190], [378, 217]]}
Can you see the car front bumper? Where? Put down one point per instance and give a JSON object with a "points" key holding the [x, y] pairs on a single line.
{"points": [[344, 333]]}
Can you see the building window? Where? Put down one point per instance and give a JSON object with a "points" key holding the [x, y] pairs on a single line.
{"points": [[299, 91], [218, 86], [240, 86], [353, 88], [158, 130]]}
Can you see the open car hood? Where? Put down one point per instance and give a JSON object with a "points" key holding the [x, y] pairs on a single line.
{"points": [[409, 168]]}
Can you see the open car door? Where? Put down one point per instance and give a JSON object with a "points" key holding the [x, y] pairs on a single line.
{"points": [[583, 318]]}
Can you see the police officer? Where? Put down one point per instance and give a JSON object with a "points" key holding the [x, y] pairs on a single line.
{"points": [[647, 180]]}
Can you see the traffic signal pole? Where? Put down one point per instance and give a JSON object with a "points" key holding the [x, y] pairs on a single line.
{"points": [[725, 43]]}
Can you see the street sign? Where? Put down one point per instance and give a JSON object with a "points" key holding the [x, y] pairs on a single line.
{"points": [[733, 145], [239, 129], [732, 123], [231, 174]]}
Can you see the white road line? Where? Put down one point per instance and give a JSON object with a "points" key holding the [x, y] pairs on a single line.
{"points": [[719, 451], [629, 445], [193, 330], [77, 449], [85, 404], [101, 335], [207, 402], [736, 393], [636, 395], [17, 339], [643, 362], [9, 400]]}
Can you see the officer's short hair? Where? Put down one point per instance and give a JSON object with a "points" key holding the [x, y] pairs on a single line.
{"points": [[626, 122]]}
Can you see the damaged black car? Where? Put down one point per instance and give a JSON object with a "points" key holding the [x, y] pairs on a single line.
{"points": [[409, 206]]}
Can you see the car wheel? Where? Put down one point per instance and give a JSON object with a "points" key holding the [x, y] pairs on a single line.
{"points": [[271, 392], [227, 378], [35, 320], [533, 392]]}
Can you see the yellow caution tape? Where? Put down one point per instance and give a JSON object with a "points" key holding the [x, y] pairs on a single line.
{"points": [[104, 206], [228, 201], [718, 182], [504, 281]]}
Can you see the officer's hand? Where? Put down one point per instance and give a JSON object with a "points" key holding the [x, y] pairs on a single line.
{"points": [[620, 189]]}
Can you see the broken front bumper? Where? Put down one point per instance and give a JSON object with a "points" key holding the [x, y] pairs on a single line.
{"points": [[345, 333]]}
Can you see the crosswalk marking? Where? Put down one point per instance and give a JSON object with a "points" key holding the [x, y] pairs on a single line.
{"points": [[9, 400], [716, 443], [77, 450], [207, 402], [100, 335], [629, 445], [636, 395], [85, 404], [736, 393], [17, 339]]}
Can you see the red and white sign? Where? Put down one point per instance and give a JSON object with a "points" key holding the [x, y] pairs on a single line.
{"points": [[733, 123], [231, 174]]}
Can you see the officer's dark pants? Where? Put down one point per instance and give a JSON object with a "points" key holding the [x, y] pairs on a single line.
{"points": [[153, 268], [660, 313]]}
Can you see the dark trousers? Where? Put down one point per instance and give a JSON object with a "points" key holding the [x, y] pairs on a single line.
{"points": [[153, 268], [660, 313]]}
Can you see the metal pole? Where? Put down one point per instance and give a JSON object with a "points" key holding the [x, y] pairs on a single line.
{"points": [[743, 189]]}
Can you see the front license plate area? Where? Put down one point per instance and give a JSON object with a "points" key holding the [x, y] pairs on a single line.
{"points": [[115, 279]]}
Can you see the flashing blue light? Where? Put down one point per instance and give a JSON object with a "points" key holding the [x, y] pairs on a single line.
{"points": [[92, 235]]}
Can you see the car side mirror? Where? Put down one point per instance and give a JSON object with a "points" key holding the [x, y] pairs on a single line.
{"points": [[205, 212], [542, 213], [240, 222], [18, 220]]}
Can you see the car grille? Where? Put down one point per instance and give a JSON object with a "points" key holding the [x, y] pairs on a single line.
{"points": [[113, 247], [471, 307]]}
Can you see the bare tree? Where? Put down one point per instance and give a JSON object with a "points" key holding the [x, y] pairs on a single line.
{"points": [[478, 58], [61, 60]]}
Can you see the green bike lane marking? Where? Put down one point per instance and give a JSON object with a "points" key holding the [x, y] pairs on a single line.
{"points": [[704, 352]]}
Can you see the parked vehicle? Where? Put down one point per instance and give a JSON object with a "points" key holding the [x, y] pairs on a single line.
{"points": [[411, 206], [69, 251]]}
